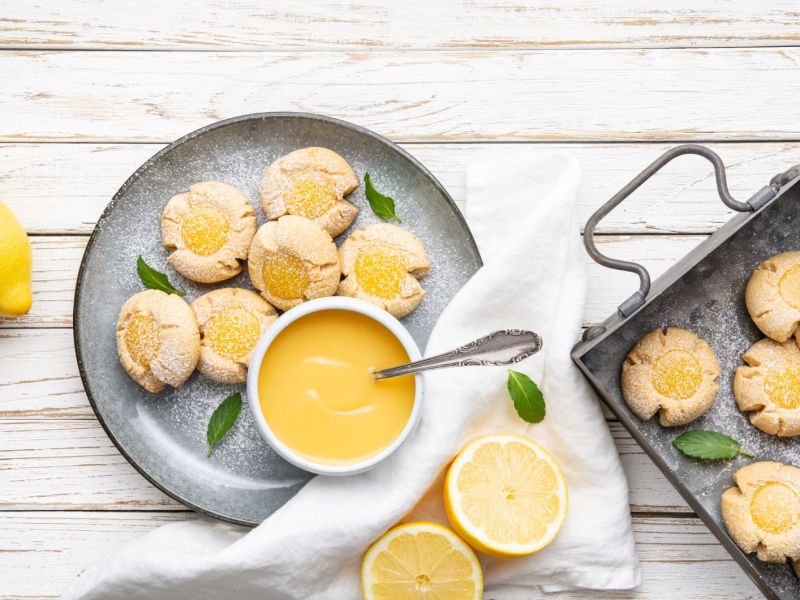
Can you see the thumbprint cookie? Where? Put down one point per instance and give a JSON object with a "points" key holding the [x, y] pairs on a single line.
{"points": [[231, 322], [768, 387], [761, 511], [208, 231], [382, 264], [311, 183], [673, 372], [773, 296], [293, 260], [158, 339]]}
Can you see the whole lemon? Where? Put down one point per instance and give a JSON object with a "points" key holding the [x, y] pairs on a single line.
{"points": [[15, 266]]}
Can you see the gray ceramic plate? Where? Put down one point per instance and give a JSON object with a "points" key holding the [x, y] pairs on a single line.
{"points": [[163, 435]]}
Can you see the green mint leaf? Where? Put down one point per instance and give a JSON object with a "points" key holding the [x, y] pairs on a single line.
{"points": [[708, 445], [383, 206], [527, 397], [155, 280], [223, 419]]}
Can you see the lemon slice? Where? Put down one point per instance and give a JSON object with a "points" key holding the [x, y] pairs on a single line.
{"points": [[422, 561], [505, 495]]}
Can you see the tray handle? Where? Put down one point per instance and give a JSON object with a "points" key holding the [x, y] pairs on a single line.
{"points": [[759, 199]]}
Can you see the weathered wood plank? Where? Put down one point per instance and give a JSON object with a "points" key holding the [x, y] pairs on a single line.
{"points": [[40, 375], [62, 544], [65, 464], [56, 260], [420, 96], [63, 188], [371, 24]]}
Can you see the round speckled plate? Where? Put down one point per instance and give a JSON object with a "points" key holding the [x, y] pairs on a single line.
{"points": [[164, 435]]}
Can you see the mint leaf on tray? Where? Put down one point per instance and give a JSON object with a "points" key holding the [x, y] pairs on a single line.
{"points": [[709, 445]]}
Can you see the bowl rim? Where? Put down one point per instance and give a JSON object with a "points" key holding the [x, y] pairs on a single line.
{"points": [[395, 327]]}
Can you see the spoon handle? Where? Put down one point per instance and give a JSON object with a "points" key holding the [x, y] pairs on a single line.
{"points": [[504, 347]]}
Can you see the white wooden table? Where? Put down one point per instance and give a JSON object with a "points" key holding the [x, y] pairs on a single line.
{"points": [[89, 90]]}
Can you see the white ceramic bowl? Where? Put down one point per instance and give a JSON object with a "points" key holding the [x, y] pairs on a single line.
{"points": [[292, 315]]}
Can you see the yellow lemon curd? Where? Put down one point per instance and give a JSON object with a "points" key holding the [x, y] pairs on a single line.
{"points": [[774, 507], [205, 230], [309, 197], [789, 287], [782, 384], [677, 375], [381, 272], [285, 276], [233, 332], [318, 394], [141, 339]]}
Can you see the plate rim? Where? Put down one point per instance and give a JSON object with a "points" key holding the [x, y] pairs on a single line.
{"points": [[135, 176]]}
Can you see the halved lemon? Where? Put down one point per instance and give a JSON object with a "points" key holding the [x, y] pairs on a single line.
{"points": [[421, 561], [505, 495]]}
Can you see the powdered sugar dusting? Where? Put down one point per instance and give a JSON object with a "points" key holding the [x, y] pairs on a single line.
{"points": [[709, 300], [165, 434]]}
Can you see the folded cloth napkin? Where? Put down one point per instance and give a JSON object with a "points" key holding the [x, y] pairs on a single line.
{"points": [[522, 212]]}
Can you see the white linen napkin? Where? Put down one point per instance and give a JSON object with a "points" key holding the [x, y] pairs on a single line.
{"points": [[521, 209]]}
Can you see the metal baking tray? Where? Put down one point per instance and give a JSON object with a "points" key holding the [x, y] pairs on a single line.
{"points": [[704, 293]]}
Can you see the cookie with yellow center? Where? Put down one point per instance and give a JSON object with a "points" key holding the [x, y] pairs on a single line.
{"points": [[769, 387], [293, 260], [158, 339], [773, 296], [762, 511], [231, 322], [208, 231], [311, 183], [382, 264], [673, 372]]}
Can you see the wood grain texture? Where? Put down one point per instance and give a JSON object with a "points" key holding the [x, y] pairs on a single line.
{"points": [[567, 75], [421, 96], [60, 464], [63, 188], [412, 24], [70, 464], [56, 260], [680, 558]]}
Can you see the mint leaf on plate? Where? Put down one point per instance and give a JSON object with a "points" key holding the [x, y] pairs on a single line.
{"points": [[155, 280], [381, 205], [223, 419]]}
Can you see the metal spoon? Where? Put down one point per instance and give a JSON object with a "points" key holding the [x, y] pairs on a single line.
{"points": [[504, 347]]}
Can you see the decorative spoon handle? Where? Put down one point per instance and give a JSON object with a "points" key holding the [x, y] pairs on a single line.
{"points": [[504, 347]]}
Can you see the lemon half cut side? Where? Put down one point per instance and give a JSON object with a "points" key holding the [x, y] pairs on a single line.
{"points": [[506, 495], [421, 561]]}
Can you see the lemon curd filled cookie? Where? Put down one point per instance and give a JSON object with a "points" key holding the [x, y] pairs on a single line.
{"points": [[231, 322], [208, 230], [381, 264], [761, 512], [311, 183], [293, 260], [773, 296], [672, 371], [158, 340], [769, 387]]}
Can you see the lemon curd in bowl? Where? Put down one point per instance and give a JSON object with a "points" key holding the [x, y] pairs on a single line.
{"points": [[312, 392]]}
